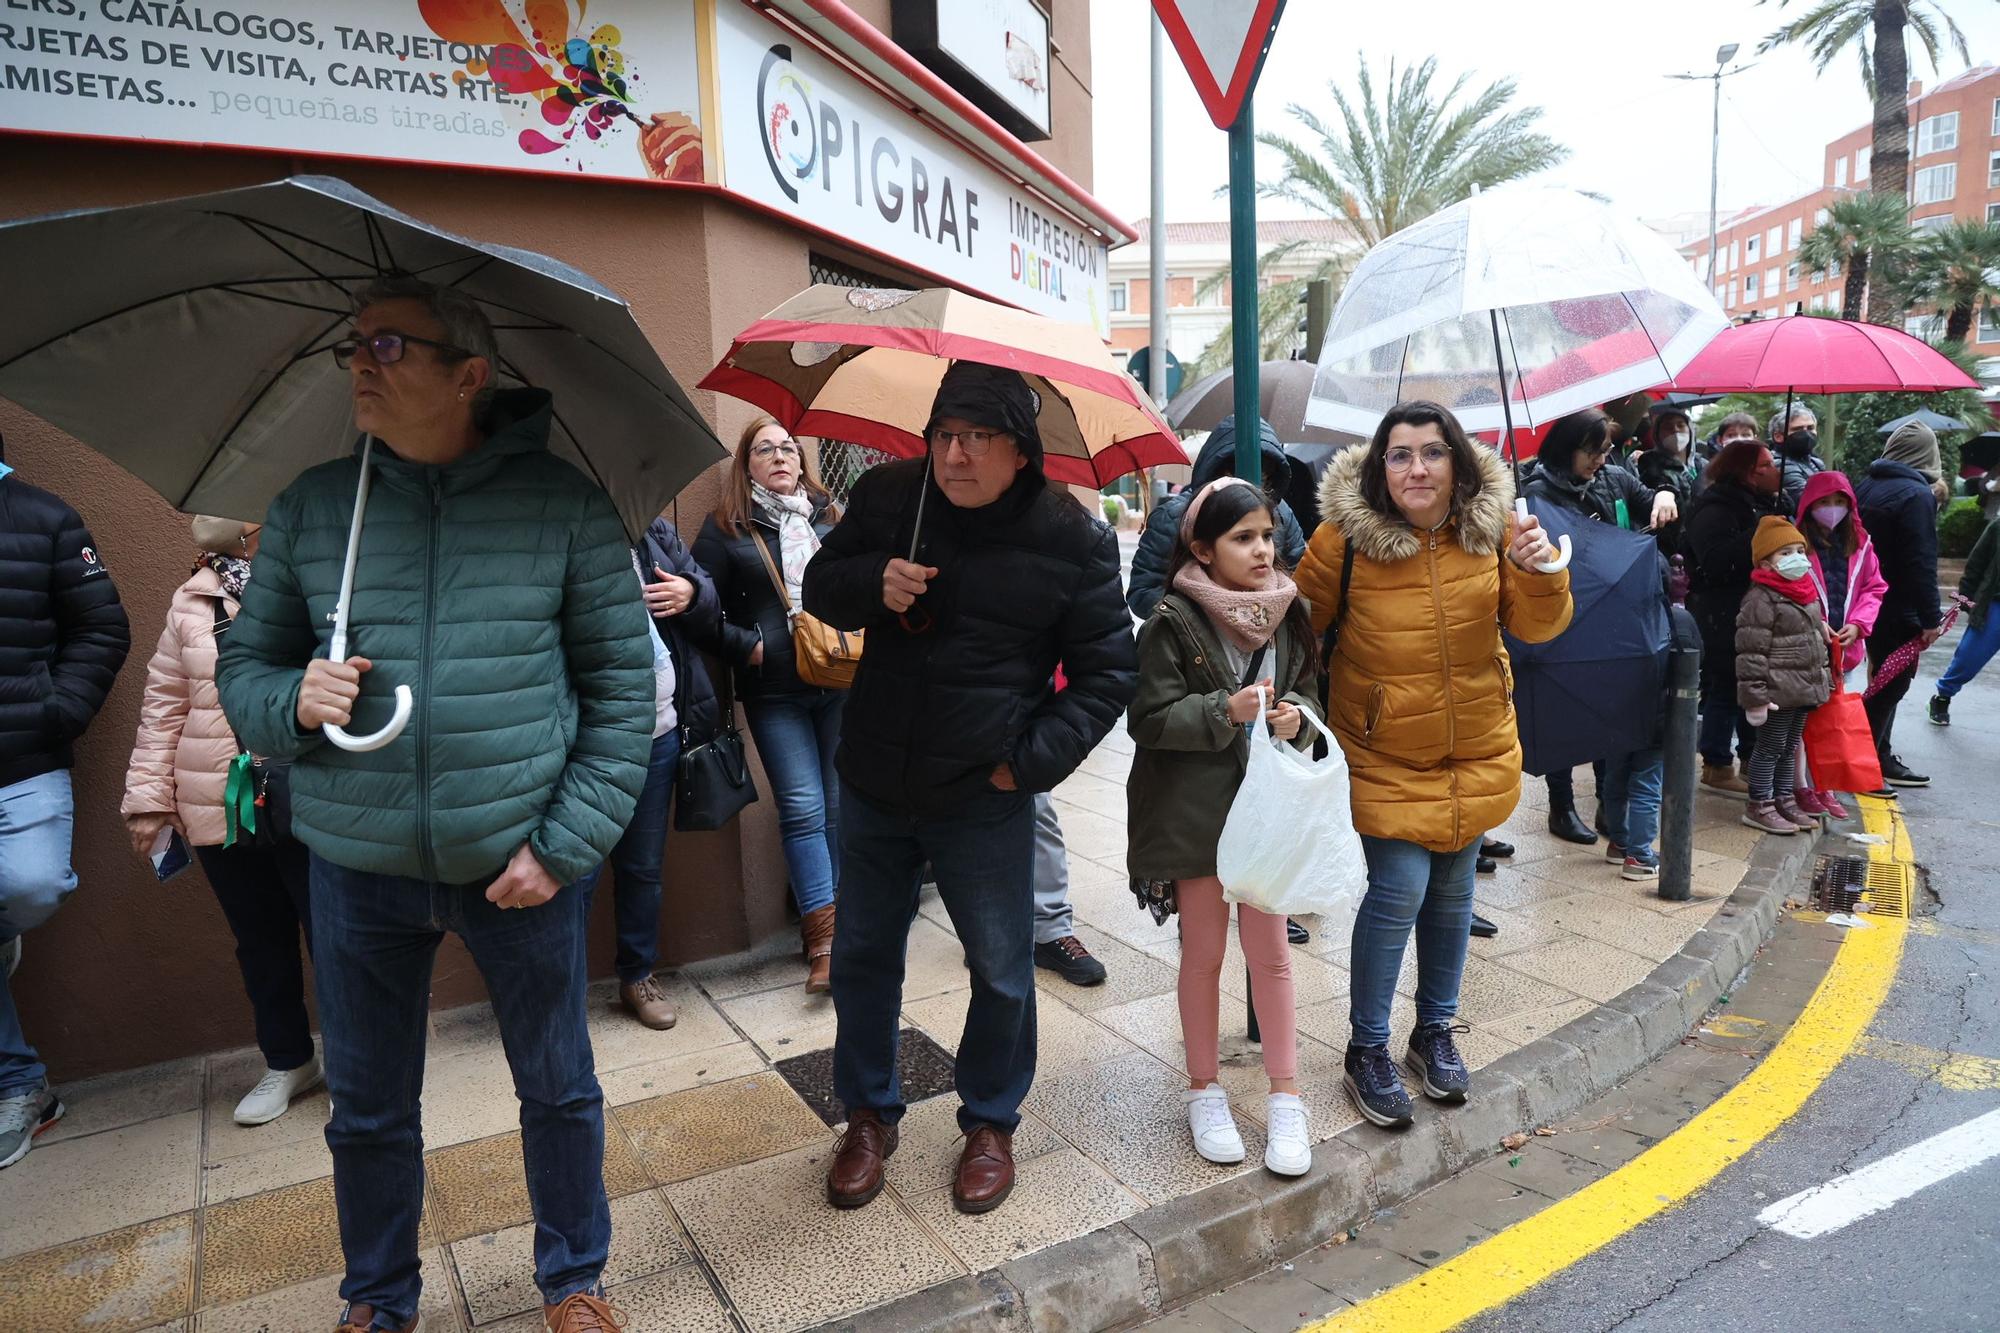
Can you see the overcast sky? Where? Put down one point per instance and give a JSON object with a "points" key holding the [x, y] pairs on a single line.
{"points": [[1594, 68]]}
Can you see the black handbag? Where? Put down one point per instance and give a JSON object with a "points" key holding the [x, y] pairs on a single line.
{"points": [[712, 784], [270, 779]]}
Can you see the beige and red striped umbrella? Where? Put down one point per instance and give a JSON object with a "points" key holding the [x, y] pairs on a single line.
{"points": [[863, 364]]}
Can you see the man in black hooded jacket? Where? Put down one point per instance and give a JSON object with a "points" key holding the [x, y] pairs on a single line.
{"points": [[973, 578]]}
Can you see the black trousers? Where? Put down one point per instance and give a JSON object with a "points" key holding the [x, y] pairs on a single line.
{"points": [[1882, 708], [264, 896]]}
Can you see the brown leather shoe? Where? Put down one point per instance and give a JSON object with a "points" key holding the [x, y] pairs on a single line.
{"points": [[985, 1171], [856, 1174], [816, 935], [361, 1319], [583, 1312], [645, 1001]]}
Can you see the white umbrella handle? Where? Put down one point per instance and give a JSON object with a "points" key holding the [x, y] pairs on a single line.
{"points": [[1561, 562], [405, 701]]}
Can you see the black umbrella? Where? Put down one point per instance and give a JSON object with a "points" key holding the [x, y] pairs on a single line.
{"points": [[1937, 421], [1598, 689], [1981, 451], [1309, 463]]}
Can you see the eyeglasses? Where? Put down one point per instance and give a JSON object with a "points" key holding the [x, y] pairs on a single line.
{"points": [[1599, 450], [386, 349], [1400, 459], [766, 452], [974, 442]]}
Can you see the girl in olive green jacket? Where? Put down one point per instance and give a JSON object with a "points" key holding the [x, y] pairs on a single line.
{"points": [[1230, 633]]}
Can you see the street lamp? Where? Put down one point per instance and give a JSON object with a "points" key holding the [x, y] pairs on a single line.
{"points": [[1723, 55]]}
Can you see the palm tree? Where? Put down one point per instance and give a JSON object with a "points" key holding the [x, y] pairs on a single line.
{"points": [[1953, 267], [1874, 30], [1389, 161], [1386, 165], [1858, 229]]}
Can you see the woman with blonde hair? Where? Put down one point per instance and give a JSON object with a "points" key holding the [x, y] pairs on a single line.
{"points": [[755, 547]]}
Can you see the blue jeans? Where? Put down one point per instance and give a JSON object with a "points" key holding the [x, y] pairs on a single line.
{"points": [[1409, 887], [636, 862], [374, 940], [36, 815], [796, 738], [1975, 649], [984, 861], [1632, 801]]}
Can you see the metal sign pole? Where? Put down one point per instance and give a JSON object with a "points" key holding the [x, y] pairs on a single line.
{"points": [[1245, 323]]}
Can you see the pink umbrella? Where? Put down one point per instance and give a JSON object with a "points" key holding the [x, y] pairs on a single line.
{"points": [[1808, 354]]}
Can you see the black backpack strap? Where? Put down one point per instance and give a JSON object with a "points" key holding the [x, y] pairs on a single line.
{"points": [[1339, 611]]}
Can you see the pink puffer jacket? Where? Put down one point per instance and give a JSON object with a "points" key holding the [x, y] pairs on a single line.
{"points": [[180, 759]]}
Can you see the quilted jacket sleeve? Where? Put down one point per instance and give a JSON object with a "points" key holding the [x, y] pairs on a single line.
{"points": [[843, 583], [163, 713], [610, 659], [92, 634], [704, 613], [1534, 607], [1318, 574], [263, 658], [1291, 537], [1098, 657], [1168, 713], [1156, 551], [1756, 626]]}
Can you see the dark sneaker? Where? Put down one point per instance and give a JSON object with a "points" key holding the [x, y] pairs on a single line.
{"points": [[1375, 1087], [1899, 774], [25, 1114], [1485, 865], [1434, 1059], [1068, 959], [1614, 854], [1940, 711], [1494, 847], [1640, 868]]}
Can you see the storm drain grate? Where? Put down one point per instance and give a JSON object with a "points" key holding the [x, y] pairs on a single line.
{"points": [[925, 1068], [1858, 884]]}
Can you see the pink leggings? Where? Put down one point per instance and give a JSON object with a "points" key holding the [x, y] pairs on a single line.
{"points": [[1204, 939]]}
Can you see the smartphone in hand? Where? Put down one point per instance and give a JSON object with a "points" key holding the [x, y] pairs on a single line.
{"points": [[170, 854]]}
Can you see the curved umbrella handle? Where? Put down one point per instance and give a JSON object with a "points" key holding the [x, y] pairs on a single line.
{"points": [[405, 701], [1561, 562]]}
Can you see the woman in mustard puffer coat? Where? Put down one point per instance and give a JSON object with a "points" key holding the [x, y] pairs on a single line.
{"points": [[1421, 697]]}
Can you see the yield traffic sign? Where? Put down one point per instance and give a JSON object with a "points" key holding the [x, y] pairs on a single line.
{"points": [[1222, 43]]}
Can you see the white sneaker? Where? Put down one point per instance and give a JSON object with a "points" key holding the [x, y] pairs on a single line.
{"points": [[272, 1096], [1288, 1148], [1214, 1129]]}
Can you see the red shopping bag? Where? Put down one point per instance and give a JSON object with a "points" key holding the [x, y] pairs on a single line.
{"points": [[1840, 747]]}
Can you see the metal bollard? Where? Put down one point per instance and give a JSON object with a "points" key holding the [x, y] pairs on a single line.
{"points": [[1678, 747]]}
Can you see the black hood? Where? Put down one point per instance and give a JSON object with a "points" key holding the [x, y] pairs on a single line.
{"points": [[993, 397], [1218, 456]]}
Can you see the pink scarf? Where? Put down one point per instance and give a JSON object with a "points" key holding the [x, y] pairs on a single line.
{"points": [[1247, 619]]}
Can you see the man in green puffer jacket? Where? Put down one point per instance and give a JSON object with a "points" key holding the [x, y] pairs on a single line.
{"points": [[496, 581]]}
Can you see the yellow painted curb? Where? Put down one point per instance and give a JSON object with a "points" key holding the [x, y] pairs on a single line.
{"points": [[1496, 1271]]}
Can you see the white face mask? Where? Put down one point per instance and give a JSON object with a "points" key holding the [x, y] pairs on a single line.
{"points": [[1793, 566], [1676, 440]]}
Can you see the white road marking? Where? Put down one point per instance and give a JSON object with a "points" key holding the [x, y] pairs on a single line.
{"points": [[1879, 1185]]}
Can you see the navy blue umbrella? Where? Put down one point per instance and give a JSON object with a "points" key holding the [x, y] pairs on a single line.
{"points": [[1599, 688], [1937, 421]]}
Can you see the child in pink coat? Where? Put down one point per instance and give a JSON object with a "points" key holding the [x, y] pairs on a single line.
{"points": [[1851, 587]]}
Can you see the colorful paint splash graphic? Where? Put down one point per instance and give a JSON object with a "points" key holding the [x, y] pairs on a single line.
{"points": [[546, 50]]}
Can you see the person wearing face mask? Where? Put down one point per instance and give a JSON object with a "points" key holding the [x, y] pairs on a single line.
{"points": [[1666, 467], [1741, 489], [1851, 587], [1898, 505], [1795, 444], [1782, 671]]}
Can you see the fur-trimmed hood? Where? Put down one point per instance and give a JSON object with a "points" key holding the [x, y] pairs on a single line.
{"points": [[1481, 522]]}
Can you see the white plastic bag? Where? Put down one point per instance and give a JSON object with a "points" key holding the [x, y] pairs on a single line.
{"points": [[1289, 847]]}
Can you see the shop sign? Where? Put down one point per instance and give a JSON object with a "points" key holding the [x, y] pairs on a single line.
{"points": [[522, 85], [996, 52], [804, 137]]}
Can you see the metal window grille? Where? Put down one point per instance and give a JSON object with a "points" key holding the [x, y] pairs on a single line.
{"points": [[842, 462]]}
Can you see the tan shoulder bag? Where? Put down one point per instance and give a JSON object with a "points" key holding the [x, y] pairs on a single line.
{"points": [[824, 656]]}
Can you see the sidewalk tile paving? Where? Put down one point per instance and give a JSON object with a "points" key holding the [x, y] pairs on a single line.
{"points": [[149, 1208]]}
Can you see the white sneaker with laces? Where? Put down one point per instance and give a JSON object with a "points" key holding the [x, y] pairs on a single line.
{"points": [[1288, 1148], [1214, 1129], [273, 1095]]}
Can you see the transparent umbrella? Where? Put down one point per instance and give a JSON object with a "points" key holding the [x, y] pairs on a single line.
{"points": [[1512, 308]]}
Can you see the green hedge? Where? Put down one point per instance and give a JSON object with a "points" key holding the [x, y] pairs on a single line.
{"points": [[1959, 527]]}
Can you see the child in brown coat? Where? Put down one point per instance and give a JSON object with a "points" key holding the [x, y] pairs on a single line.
{"points": [[1783, 671]]}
